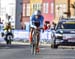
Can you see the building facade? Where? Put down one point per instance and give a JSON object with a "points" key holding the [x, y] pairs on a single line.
{"points": [[11, 8], [29, 6], [52, 10], [59, 9], [46, 6], [0, 7], [8, 7], [21, 10], [18, 14], [72, 8], [64, 8], [48, 10], [25, 17], [35, 5]]}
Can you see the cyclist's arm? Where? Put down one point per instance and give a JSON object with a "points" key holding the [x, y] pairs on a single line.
{"points": [[41, 22]]}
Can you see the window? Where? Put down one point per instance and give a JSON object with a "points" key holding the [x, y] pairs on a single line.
{"points": [[23, 9], [57, 12], [52, 8], [36, 6], [60, 9], [64, 9], [45, 8], [28, 10]]}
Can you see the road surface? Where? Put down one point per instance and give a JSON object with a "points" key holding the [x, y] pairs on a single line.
{"points": [[23, 52]]}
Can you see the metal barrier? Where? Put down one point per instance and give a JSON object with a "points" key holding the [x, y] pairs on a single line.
{"points": [[22, 35]]}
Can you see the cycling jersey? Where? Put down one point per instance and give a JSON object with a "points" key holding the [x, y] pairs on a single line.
{"points": [[7, 27], [33, 18]]}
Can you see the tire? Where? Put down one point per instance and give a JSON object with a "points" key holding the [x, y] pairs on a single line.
{"points": [[9, 39], [54, 46]]}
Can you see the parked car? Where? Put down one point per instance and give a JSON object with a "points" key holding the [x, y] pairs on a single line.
{"points": [[64, 33]]}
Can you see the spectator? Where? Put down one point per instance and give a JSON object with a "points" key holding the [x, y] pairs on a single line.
{"points": [[53, 25], [45, 26], [1, 24], [48, 26], [0, 21]]}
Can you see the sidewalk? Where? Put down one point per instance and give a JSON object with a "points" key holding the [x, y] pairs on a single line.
{"points": [[43, 44], [24, 43]]}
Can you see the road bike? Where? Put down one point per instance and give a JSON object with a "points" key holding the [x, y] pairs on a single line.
{"points": [[36, 38]]}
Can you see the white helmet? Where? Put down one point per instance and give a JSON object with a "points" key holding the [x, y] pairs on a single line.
{"points": [[37, 12]]}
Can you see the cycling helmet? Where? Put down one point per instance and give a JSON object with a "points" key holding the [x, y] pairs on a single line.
{"points": [[37, 12]]}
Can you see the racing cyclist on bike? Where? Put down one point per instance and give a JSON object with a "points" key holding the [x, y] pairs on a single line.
{"points": [[37, 16], [8, 24], [8, 27], [8, 30]]}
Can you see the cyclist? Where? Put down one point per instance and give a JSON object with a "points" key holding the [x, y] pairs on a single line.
{"points": [[8, 32], [8, 24], [8, 27], [37, 16]]}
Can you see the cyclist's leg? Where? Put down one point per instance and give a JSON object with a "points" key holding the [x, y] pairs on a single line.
{"points": [[38, 42], [31, 31]]}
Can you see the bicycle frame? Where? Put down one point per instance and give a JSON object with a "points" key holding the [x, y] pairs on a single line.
{"points": [[35, 39]]}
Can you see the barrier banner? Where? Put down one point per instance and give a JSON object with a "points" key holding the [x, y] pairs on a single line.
{"points": [[24, 35]]}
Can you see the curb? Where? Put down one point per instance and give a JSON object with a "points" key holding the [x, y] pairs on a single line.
{"points": [[21, 43]]}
